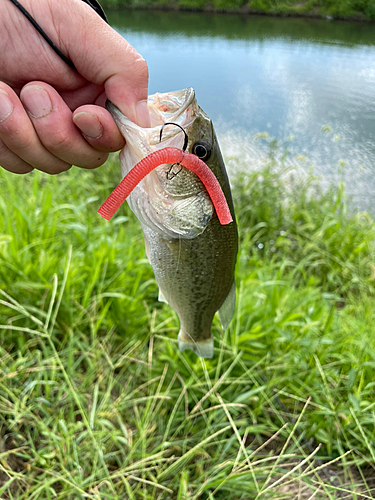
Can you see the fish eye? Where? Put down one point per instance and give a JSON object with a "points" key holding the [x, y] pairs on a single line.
{"points": [[202, 150]]}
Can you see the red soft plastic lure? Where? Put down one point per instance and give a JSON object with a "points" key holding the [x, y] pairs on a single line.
{"points": [[161, 157]]}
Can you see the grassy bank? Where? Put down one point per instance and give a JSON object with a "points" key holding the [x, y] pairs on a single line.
{"points": [[97, 402], [341, 9]]}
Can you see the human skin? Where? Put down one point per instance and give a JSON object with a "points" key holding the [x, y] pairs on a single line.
{"points": [[52, 117]]}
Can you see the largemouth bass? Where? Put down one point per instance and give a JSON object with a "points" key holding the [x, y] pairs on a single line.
{"points": [[193, 256]]}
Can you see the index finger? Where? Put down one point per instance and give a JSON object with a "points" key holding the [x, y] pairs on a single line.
{"points": [[104, 57]]}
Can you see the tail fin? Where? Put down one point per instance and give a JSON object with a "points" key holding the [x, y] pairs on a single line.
{"points": [[203, 348]]}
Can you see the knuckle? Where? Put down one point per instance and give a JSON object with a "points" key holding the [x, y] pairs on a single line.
{"points": [[22, 146], [16, 166], [18, 169], [58, 141], [94, 162], [59, 171], [16, 139], [11, 162], [3, 150], [141, 68], [24, 170], [55, 169]]}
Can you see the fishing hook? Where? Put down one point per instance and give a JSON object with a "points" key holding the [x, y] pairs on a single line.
{"points": [[184, 147], [170, 174]]}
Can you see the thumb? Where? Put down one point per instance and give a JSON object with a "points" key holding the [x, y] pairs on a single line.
{"points": [[104, 57]]}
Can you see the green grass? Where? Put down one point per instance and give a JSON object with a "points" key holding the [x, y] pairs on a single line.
{"points": [[97, 402], [350, 9]]}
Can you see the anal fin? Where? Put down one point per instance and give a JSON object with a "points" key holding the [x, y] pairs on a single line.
{"points": [[161, 297], [226, 311], [147, 248]]}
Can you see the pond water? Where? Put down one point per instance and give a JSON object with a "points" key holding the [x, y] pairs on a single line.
{"points": [[308, 83]]}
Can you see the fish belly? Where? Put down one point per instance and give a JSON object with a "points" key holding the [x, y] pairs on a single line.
{"points": [[195, 276]]}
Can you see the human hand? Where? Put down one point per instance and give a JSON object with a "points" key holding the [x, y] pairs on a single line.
{"points": [[51, 116]]}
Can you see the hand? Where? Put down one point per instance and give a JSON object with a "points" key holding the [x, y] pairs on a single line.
{"points": [[51, 116]]}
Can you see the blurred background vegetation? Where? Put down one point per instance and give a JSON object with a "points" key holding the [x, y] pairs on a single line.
{"points": [[354, 9], [97, 402]]}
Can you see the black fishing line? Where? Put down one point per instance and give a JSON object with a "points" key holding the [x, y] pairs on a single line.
{"points": [[179, 126], [94, 4], [170, 174]]}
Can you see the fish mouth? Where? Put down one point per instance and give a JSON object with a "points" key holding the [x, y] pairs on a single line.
{"points": [[177, 207], [172, 107], [178, 107]]}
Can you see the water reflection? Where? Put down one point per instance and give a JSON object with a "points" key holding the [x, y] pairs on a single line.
{"points": [[288, 77]]}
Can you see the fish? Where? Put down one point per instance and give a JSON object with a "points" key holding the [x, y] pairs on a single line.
{"points": [[192, 254]]}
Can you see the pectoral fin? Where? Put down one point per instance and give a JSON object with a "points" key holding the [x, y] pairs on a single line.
{"points": [[226, 311]]}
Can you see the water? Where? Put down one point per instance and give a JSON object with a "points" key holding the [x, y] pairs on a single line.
{"points": [[288, 77]]}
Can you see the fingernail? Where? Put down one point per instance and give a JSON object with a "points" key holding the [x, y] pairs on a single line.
{"points": [[36, 101], [143, 114], [89, 125], [6, 106]]}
